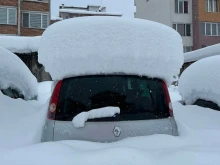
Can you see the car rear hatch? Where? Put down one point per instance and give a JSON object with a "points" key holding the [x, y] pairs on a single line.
{"points": [[144, 107]]}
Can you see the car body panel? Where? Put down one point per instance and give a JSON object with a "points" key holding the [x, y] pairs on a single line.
{"points": [[108, 131]]}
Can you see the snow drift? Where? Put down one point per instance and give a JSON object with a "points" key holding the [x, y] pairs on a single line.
{"points": [[18, 44], [14, 73], [201, 81], [107, 45], [202, 53]]}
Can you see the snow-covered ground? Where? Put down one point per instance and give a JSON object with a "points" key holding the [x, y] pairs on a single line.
{"points": [[21, 124]]}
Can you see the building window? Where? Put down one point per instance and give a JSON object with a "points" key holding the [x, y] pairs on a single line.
{"points": [[8, 16], [183, 29], [35, 20], [181, 6], [210, 29], [187, 49], [212, 5]]}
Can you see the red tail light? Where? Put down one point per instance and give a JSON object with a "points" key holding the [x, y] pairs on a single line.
{"points": [[168, 99], [53, 101]]}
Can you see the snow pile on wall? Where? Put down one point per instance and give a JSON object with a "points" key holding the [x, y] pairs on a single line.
{"points": [[201, 80], [54, 18], [202, 53], [14, 73], [89, 12], [18, 44], [106, 45]]}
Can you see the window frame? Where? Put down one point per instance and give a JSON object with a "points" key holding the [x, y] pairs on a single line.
{"points": [[213, 6], [177, 2], [41, 14], [211, 24], [185, 29], [16, 15]]}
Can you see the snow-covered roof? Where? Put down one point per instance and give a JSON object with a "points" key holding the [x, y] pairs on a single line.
{"points": [[17, 44], [202, 53], [54, 18], [108, 45], [14, 73], [201, 81], [89, 12]]}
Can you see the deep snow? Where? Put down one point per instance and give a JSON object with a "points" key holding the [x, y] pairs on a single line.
{"points": [[14, 73], [198, 143], [108, 45], [201, 80]]}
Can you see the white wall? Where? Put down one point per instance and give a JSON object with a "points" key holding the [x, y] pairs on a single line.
{"points": [[163, 11]]}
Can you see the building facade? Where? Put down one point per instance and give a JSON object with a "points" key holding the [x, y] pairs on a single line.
{"points": [[193, 19], [91, 10], [24, 17]]}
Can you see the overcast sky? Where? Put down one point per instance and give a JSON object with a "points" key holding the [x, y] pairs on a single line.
{"points": [[124, 6]]}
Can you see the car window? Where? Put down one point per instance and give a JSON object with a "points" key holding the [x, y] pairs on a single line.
{"points": [[12, 93], [138, 98], [207, 104]]}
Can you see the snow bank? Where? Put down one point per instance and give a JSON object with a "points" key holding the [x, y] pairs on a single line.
{"points": [[80, 119], [14, 73], [106, 45], [20, 123], [18, 44], [201, 81], [202, 53], [174, 93], [44, 91], [89, 12]]}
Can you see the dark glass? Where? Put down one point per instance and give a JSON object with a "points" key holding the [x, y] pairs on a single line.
{"points": [[139, 98], [207, 104], [185, 6], [26, 20], [188, 30]]}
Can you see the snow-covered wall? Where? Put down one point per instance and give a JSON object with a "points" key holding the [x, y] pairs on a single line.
{"points": [[17, 44], [202, 53]]}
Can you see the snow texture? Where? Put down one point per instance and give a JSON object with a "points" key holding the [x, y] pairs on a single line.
{"points": [[108, 45], [18, 44], [89, 12], [53, 18], [21, 124], [202, 53], [201, 81], [80, 119], [14, 73]]}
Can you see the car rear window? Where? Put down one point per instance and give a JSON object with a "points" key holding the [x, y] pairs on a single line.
{"points": [[139, 98]]}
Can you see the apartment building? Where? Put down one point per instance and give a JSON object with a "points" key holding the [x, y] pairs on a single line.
{"points": [[24, 17], [206, 21], [197, 21], [91, 10]]}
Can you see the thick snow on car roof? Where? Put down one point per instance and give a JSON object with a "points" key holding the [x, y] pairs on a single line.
{"points": [[14, 73], [201, 80], [107, 45]]}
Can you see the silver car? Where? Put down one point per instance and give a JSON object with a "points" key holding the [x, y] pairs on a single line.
{"points": [[145, 108]]}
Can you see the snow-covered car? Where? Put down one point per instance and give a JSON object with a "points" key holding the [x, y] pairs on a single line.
{"points": [[199, 83], [112, 75], [16, 80]]}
